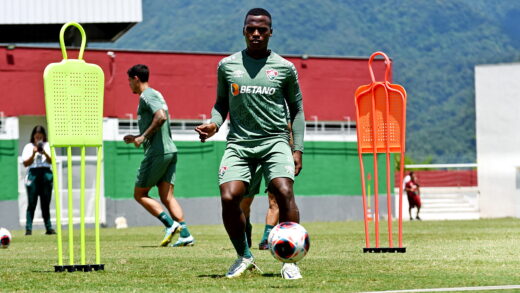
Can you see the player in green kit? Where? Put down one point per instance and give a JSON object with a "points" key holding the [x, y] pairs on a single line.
{"points": [[160, 157], [256, 87]]}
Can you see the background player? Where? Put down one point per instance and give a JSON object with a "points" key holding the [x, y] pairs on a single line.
{"points": [[254, 86], [160, 157]]}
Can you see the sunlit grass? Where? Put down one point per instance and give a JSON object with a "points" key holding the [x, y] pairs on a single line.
{"points": [[439, 254]]}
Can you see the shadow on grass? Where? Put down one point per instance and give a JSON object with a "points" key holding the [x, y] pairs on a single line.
{"points": [[213, 276]]}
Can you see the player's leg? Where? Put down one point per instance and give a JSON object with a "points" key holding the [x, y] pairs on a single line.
{"points": [[166, 188], [147, 176], [234, 219], [282, 189], [271, 220], [45, 201], [231, 194], [252, 190], [150, 204], [172, 205], [278, 164], [234, 175], [168, 200], [279, 172], [32, 200], [245, 205]]}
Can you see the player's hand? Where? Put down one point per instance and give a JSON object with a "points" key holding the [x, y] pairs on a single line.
{"points": [[298, 164], [138, 141], [129, 138], [206, 131]]}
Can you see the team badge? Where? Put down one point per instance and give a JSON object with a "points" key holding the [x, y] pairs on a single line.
{"points": [[271, 74], [235, 89], [222, 171]]}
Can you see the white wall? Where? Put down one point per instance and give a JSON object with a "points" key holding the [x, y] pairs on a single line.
{"points": [[497, 106], [61, 11]]}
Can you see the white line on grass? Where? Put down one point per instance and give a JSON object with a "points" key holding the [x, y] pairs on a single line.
{"points": [[482, 288]]}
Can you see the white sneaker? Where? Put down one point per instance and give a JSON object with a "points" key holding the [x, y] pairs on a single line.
{"points": [[291, 271], [184, 241], [241, 265], [169, 232]]}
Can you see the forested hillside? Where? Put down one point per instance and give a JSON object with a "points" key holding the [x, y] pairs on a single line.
{"points": [[435, 45]]}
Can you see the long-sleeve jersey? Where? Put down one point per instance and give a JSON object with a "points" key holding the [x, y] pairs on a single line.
{"points": [[257, 93]]}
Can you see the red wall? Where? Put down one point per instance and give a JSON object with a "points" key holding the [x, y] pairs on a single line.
{"points": [[444, 178], [187, 81]]}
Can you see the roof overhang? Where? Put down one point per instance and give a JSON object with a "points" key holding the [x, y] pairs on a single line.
{"points": [[34, 21]]}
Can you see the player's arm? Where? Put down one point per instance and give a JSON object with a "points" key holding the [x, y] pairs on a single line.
{"points": [[219, 111], [298, 126], [294, 101], [159, 117], [297, 155]]}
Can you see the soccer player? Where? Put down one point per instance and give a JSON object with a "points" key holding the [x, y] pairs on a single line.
{"points": [[160, 157], [256, 86]]}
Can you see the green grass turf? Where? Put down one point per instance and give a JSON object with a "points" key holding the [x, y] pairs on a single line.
{"points": [[439, 254]]}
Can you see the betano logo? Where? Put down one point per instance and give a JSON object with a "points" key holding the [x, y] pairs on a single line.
{"points": [[251, 89], [234, 89]]}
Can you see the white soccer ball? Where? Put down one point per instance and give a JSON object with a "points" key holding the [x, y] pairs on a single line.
{"points": [[288, 242], [5, 238]]}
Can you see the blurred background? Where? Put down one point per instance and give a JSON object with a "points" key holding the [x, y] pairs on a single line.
{"points": [[456, 59]]}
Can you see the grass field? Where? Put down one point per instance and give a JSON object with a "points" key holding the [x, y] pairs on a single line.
{"points": [[439, 254]]}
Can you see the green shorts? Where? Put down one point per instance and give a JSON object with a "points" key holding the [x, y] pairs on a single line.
{"points": [[241, 160], [155, 169], [256, 180]]}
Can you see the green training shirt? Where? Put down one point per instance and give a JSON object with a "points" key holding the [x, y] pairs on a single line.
{"points": [[257, 93], [161, 141]]}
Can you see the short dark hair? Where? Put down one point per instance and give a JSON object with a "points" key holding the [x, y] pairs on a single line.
{"points": [[259, 11], [139, 70], [38, 129]]}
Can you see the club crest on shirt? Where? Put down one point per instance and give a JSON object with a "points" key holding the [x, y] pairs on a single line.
{"points": [[271, 74], [222, 171]]}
